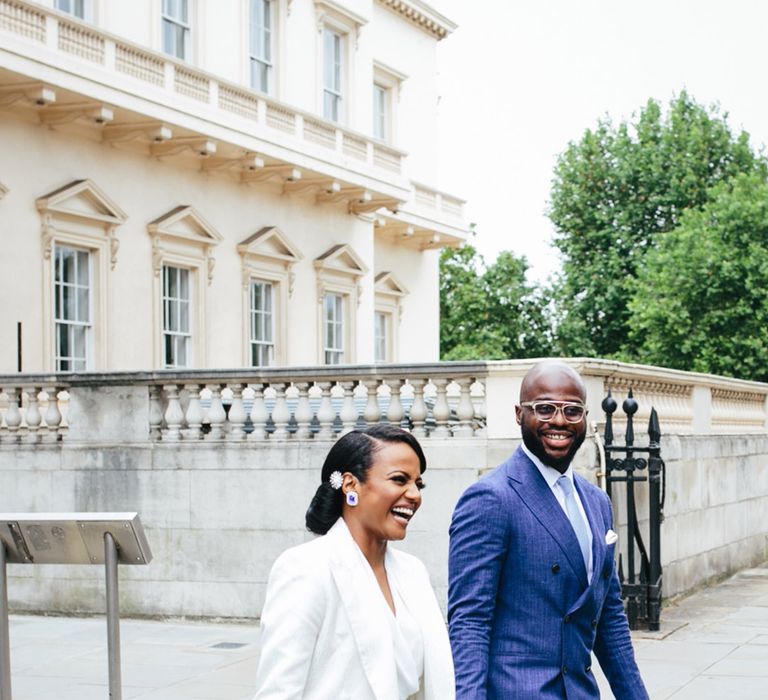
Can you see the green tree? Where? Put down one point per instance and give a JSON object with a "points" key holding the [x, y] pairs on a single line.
{"points": [[614, 192], [489, 312], [702, 297]]}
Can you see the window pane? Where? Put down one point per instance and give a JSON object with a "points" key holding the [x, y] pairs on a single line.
{"points": [[78, 341], [181, 351], [168, 351], [82, 304], [183, 311], [183, 283], [81, 261], [68, 297]]}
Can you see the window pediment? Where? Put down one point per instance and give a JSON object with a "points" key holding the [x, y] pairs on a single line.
{"points": [[270, 243], [185, 223], [386, 283], [185, 232], [85, 212], [82, 199], [341, 259]]}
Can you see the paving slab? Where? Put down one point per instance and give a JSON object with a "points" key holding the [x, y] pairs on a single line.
{"points": [[712, 645]]}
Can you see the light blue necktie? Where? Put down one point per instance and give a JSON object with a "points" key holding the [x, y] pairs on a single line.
{"points": [[574, 515]]}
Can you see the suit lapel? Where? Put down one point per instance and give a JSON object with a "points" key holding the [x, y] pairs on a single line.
{"points": [[534, 491], [366, 610]]}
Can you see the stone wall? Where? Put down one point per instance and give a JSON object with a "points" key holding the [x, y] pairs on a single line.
{"points": [[218, 512]]}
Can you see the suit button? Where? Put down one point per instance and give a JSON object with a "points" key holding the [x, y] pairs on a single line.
{"points": [[594, 624], [555, 568], [588, 669], [567, 618], [565, 670]]}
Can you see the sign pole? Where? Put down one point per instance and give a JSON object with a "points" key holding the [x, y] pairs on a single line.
{"points": [[5, 644], [113, 618]]}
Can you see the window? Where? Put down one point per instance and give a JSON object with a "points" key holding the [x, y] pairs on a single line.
{"points": [[380, 112], [80, 247], [339, 273], [333, 313], [176, 328], [72, 309], [262, 324], [381, 337], [176, 28], [261, 44], [332, 49], [389, 295], [72, 7]]}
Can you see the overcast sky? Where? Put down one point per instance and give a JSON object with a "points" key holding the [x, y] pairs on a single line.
{"points": [[519, 79]]}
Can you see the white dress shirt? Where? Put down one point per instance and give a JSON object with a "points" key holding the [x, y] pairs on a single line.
{"points": [[551, 475]]}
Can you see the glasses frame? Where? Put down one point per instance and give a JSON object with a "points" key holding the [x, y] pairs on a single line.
{"points": [[559, 406]]}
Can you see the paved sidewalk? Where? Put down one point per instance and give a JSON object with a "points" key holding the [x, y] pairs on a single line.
{"points": [[712, 645]]}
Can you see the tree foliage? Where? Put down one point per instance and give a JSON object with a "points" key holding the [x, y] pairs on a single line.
{"points": [[614, 192], [701, 301], [489, 312]]}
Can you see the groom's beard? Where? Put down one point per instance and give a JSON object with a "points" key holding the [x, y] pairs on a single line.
{"points": [[533, 443]]}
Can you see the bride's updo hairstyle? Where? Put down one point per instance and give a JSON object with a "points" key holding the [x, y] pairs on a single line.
{"points": [[352, 453]]}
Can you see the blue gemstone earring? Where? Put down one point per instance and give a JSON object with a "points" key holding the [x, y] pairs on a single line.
{"points": [[352, 498]]}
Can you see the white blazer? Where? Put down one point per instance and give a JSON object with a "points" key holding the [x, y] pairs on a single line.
{"points": [[325, 633]]}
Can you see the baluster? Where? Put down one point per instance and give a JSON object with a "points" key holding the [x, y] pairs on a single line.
{"points": [[441, 411], [32, 417], [325, 414], [236, 413], [418, 408], [155, 413], [465, 411], [12, 416], [259, 414], [481, 411], [372, 412], [52, 415], [281, 415], [216, 413], [194, 414], [174, 415], [348, 413], [303, 413], [395, 409]]}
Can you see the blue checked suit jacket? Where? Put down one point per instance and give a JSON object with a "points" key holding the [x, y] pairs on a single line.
{"points": [[523, 620]]}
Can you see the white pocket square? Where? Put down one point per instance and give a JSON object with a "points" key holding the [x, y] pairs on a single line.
{"points": [[611, 537]]}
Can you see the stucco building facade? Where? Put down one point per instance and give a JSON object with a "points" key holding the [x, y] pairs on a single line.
{"points": [[189, 184]]}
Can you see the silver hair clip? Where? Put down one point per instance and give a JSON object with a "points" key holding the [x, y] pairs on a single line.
{"points": [[335, 480]]}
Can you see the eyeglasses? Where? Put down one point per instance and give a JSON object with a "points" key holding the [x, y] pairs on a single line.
{"points": [[545, 411]]}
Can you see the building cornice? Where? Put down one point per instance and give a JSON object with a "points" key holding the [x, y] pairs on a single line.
{"points": [[424, 16]]}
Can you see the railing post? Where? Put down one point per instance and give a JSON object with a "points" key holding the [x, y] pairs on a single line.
{"points": [[113, 618], [418, 408], [5, 643]]}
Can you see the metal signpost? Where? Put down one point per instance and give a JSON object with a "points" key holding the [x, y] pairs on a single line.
{"points": [[71, 538], [642, 589]]}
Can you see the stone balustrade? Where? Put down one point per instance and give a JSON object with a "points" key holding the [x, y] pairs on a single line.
{"points": [[473, 399]]}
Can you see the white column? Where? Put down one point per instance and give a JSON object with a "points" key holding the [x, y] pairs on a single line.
{"points": [[32, 416], [280, 413], [325, 414], [395, 408], [348, 413], [194, 415], [216, 414], [236, 413], [418, 408], [441, 411], [259, 414], [465, 410], [303, 413], [52, 415], [155, 413], [372, 412], [174, 416]]}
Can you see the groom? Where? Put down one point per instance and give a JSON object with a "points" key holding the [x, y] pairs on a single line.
{"points": [[532, 584]]}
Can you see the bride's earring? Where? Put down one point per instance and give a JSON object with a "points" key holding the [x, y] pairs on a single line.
{"points": [[352, 498]]}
